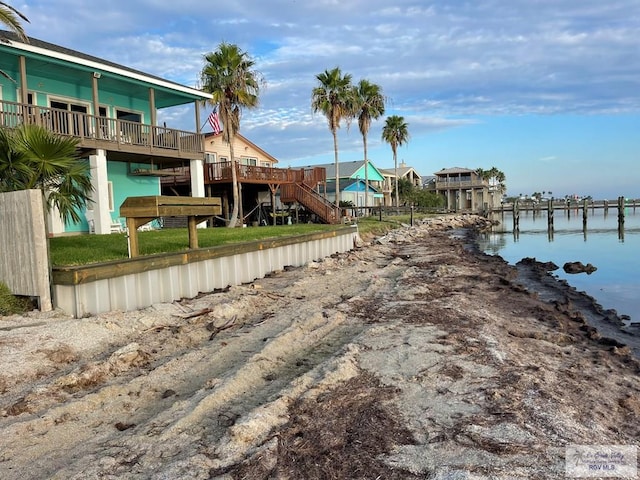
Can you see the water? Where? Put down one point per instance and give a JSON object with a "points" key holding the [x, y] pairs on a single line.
{"points": [[615, 284]]}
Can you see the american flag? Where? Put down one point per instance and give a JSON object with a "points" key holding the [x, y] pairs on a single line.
{"points": [[214, 121]]}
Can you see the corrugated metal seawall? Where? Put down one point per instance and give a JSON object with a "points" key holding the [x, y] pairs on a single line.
{"points": [[140, 282]]}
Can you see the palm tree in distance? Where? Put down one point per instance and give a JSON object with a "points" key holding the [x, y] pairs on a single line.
{"points": [[32, 157], [396, 133], [229, 77], [368, 105], [496, 181], [334, 98]]}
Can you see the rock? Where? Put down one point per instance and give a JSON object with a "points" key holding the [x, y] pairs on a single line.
{"points": [[543, 266], [579, 267]]}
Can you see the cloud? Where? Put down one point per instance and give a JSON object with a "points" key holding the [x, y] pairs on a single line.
{"points": [[436, 61]]}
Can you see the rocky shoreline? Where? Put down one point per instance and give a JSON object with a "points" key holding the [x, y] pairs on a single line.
{"points": [[413, 356]]}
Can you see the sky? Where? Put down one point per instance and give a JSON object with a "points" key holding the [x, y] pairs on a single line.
{"points": [[547, 91]]}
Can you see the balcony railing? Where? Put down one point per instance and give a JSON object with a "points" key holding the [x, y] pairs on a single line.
{"points": [[103, 132], [221, 173], [452, 184]]}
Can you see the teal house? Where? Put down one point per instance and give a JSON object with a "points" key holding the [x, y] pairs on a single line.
{"points": [[112, 110], [352, 183]]}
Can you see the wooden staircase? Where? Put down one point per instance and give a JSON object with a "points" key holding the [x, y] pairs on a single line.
{"points": [[312, 200]]}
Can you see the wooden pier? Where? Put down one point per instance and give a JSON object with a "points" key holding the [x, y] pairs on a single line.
{"points": [[569, 207]]}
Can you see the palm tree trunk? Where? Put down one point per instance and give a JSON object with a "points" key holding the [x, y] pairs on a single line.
{"points": [[366, 174], [395, 162], [335, 151], [234, 179]]}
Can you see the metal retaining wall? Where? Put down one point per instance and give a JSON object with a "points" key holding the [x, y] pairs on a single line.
{"points": [[140, 282]]}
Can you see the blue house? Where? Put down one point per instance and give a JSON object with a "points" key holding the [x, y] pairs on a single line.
{"points": [[112, 110], [352, 182]]}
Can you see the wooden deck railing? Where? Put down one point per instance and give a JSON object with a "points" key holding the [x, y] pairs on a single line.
{"points": [[296, 185], [103, 132], [221, 173], [452, 184]]}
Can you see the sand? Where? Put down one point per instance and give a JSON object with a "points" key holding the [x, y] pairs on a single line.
{"points": [[412, 356]]}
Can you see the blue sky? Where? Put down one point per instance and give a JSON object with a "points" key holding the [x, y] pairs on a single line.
{"points": [[548, 91]]}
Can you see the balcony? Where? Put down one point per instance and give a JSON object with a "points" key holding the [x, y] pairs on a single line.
{"points": [[221, 173], [106, 133], [453, 184]]}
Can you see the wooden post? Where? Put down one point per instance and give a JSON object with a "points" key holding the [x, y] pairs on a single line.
{"points": [[516, 216], [584, 214], [620, 213], [192, 225], [133, 237], [240, 206], [273, 205], [550, 216]]}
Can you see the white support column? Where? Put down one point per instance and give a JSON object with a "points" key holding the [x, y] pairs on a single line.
{"points": [[196, 167], [197, 178], [55, 225], [99, 180]]}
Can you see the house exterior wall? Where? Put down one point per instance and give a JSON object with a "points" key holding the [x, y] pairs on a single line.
{"points": [[242, 149], [74, 88]]}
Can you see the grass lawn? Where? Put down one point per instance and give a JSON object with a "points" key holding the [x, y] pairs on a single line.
{"points": [[86, 249]]}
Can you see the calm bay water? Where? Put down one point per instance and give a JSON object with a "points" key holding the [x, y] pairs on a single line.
{"points": [[615, 284]]}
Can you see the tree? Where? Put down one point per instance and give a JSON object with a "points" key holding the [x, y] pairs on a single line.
{"points": [[406, 189], [229, 77], [368, 105], [334, 98], [396, 133], [496, 180], [10, 18], [32, 157]]}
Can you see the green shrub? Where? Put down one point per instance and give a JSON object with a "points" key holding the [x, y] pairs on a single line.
{"points": [[10, 303]]}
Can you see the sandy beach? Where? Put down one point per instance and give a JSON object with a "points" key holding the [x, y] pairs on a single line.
{"points": [[412, 356]]}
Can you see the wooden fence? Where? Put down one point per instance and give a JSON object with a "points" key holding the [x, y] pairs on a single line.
{"points": [[24, 252]]}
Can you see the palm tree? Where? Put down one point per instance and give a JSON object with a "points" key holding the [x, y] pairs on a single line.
{"points": [[368, 105], [496, 180], [32, 157], [230, 78], [333, 97], [10, 17], [396, 133]]}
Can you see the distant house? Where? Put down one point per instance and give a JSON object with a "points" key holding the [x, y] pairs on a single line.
{"points": [[251, 159], [404, 171], [111, 109], [352, 182], [260, 182], [463, 189]]}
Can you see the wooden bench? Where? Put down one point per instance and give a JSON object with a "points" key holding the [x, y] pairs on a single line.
{"points": [[141, 210]]}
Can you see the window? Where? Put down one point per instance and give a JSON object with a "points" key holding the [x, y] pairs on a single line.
{"points": [[224, 159], [210, 157], [69, 118], [248, 161]]}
